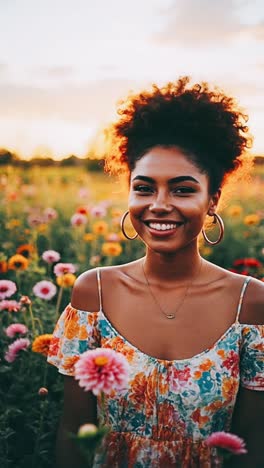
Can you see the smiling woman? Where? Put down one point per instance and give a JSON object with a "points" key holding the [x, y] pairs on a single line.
{"points": [[191, 331]]}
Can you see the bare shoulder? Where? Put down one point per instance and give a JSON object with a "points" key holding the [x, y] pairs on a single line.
{"points": [[253, 303], [85, 292]]}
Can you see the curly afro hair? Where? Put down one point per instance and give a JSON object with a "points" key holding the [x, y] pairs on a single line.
{"points": [[206, 124]]}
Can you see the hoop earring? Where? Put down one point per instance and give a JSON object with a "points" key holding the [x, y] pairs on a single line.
{"points": [[122, 223], [217, 219]]}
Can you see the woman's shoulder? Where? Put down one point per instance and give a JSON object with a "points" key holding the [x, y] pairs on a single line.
{"points": [[86, 290], [252, 311], [251, 291]]}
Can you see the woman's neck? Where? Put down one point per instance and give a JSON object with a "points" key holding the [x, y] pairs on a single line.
{"points": [[169, 267]]}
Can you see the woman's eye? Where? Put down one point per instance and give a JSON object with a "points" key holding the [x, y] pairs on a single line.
{"points": [[143, 189], [183, 190]]}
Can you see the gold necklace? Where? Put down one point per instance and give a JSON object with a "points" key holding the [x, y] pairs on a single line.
{"points": [[171, 315]]}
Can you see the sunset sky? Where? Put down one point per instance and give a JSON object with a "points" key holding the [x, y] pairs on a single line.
{"points": [[65, 63]]}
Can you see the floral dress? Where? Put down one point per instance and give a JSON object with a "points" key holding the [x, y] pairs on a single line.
{"points": [[169, 408]]}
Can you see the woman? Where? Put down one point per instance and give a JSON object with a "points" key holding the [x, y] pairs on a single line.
{"points": [[192, 331]]}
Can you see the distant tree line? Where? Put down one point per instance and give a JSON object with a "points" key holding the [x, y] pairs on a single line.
{"points": [[90, 163]]}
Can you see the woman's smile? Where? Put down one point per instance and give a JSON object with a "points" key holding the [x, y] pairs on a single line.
{"points": [[169, 199]]}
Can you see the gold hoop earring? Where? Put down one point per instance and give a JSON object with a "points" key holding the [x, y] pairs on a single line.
{"points": [[217, 219], [122, 223]]}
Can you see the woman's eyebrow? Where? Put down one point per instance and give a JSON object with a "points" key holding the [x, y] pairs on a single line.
{"points": [[174, 180]]}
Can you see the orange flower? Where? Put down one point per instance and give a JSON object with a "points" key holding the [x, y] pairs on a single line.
{"points": [[206, 365], [17, 262], [229, 387], [3, 266], [66, 281], [69, 363], [252, 219], [112, 249], [138, 386], [83, 334], [41, 344], [118, 345], [72, 325], [13, 223], [88, 237], [214, 406], [82, 210], [27, 250], [100, 228], [235, 210], [54, 346]]}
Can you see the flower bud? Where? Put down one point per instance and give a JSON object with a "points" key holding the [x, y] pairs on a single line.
{"points": [[25, 300], [87, 430], [43, 392]]}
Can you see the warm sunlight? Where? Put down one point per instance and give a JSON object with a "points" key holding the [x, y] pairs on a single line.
{"points": [[64, 67]]}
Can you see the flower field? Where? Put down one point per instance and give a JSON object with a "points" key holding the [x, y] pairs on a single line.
{"points": [[56, 223]]}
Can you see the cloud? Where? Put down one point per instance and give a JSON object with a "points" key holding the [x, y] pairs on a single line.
{"points": [[3, 68], [55, 71], [204, 22], [258, 31], [90, 102]]}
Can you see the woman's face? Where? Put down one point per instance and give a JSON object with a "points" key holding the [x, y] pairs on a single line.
{"points": [[169, 199]]}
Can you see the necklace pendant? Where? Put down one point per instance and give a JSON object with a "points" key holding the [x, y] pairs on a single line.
{"points": [[170, 316]]}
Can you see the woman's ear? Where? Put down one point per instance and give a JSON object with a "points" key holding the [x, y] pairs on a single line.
{"points": [[214, 200]]}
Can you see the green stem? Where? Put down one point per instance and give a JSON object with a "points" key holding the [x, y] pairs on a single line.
{"points": [[32, 320], [57, 310]]}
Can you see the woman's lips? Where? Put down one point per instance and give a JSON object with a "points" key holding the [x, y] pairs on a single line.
{"points": [[163, 229]]}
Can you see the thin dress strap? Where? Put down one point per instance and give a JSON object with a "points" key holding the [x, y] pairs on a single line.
{"points": [[99, 288], [242, 294]]}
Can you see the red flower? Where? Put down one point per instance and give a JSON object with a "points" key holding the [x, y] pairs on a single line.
{"points": [[229, 442], [247, 262]]}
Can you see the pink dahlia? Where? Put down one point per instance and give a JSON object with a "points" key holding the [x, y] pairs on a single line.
{"points": [[78, 219], [45, 289], [102, 370], [35, 220], [50, 214], [10, 306], [7, 288], [226, 441], [21, 344], [62, 268], [51, 256], [16, 328], [98, 211]]}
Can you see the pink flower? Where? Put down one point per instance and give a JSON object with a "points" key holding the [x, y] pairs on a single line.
{"points": [[7, 288], [35, 220], [112, 237], [83, 192], [50, 214], [98, 211], [15, 328], [102, 370], [78, 219], [230, 442], [62, 268], [21, 344], [51, 256], [45, 289], [10, 306]]}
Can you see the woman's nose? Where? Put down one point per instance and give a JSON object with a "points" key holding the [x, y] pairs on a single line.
{"points": [[161, 203]]}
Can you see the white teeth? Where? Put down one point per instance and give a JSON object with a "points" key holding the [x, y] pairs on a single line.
{"points": [[162, 227]]}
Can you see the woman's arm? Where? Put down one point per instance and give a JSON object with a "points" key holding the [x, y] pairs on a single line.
{"points": [[79, 408], [248, 423], [248, 418]]}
